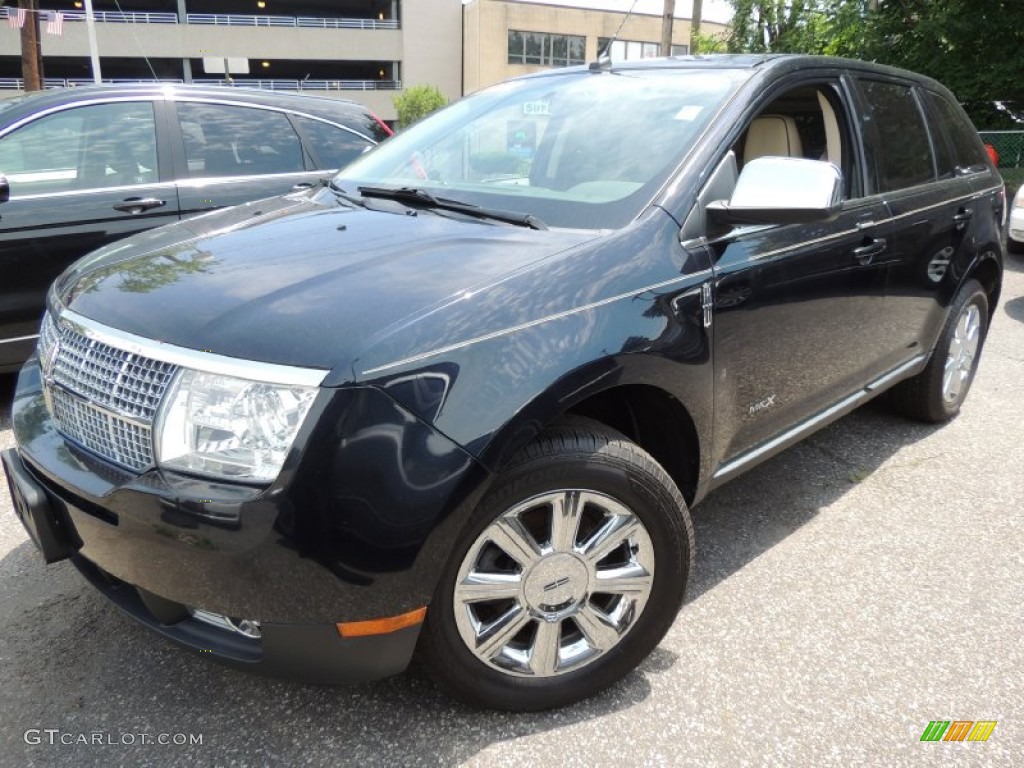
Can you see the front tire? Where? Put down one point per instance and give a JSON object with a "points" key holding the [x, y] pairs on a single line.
{"points": [[569, 573], [936, 394]]}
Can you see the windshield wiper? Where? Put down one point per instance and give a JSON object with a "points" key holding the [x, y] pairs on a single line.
{"points": [[419, 197]]}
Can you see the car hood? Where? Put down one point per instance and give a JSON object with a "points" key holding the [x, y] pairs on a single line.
{"points": [[294, 281]]}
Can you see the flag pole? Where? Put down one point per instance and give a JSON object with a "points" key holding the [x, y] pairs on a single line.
{"points": [[90, 23]]}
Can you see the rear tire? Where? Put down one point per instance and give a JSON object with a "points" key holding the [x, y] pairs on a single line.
{"points": [[936, 394], [526, 615]]}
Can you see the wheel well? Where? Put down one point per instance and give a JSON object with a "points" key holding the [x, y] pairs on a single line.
{"points": [[655, 421], [987, 273]]}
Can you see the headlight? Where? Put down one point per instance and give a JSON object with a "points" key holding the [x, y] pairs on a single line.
{"points": [[229, 428]]}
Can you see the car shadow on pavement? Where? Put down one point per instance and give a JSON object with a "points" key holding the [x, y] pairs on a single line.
{"points": [[1015, 308], [751, 514], [71, 662], [1013, 305]]}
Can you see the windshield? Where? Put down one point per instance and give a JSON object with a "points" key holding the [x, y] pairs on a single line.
{"points": [[581, 149]]}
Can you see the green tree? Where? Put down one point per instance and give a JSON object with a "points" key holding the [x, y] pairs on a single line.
{"points": [[708, 43], [825, 27], [974, 47], [417, 102]]}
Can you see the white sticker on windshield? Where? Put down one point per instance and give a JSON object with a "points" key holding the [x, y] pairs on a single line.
{"points": [[689, 113]]}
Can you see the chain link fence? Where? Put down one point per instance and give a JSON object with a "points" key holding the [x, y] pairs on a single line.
{"points": [[1010, 146]]}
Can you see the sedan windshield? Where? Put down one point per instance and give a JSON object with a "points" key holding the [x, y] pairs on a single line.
{"points": [[581, 149]]}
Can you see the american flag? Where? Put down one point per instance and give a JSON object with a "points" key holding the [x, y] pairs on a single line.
{"points": [[16, 18], [55, 23]]}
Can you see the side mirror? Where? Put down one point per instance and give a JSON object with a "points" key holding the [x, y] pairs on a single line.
{"points": [[5, 189], [781, 190]]}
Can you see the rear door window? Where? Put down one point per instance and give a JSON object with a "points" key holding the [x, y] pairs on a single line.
{"points": [[333, 146], [902, 151], [227, 140]]}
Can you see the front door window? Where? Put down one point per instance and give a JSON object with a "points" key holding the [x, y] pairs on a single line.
{"points": [[93, 147]]}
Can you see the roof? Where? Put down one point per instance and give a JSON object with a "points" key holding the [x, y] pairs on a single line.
{"points": [[41, 100], [762, 62]]}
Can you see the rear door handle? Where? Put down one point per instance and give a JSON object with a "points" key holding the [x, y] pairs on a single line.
{"points": [[866, 253], [963, 216], [136, 205]]}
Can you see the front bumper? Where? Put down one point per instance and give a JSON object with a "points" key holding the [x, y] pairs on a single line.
{"points": [[313, 653], [336, 539]]}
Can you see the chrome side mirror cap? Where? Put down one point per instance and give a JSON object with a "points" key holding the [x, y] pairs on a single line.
{"points": [[782, 190]]}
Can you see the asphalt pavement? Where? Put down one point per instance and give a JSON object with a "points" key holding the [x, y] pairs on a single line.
{"points": [[847, 593]]}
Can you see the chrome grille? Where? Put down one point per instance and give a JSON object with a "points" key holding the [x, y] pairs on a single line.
{"points": [[124, 382], [114, 438], [47, 339], [102, 397]]}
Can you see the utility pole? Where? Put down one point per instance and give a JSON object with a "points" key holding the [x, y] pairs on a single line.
{"points": [[698, 12], [667, 19], [31, 48]]}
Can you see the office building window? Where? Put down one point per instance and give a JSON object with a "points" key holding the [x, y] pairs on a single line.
{"points": [[632, 50], [545, 49]]}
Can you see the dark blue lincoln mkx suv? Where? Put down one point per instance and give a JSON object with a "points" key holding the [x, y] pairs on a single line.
{"points": [[460, 398]]}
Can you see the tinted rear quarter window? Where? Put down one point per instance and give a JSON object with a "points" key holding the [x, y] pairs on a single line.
{"points": [[945, 157], [357, 118], [334, 147], [970, 152], [903, 155]]}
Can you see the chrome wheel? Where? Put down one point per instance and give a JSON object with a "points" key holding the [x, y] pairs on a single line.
{"points": [[554, 583], [963, 348]]}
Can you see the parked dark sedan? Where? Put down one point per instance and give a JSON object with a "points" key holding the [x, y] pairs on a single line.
{"points": [[462, 398], [82, 167]]}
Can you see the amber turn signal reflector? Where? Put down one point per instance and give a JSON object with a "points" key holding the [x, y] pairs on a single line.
{"points": [[382, 626]]}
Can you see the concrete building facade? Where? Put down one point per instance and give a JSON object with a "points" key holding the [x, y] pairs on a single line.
{"points": [[366, 50], [506, 39]]}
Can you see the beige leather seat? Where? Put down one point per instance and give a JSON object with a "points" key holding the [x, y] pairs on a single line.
{"points": [[772, 136]]}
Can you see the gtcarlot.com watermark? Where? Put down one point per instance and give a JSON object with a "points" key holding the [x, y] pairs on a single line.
{"points": [[57, 737]]}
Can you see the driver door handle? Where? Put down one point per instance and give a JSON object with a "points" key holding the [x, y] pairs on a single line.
{"points": [[302, 185], [865, 254], [136, 205]]}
